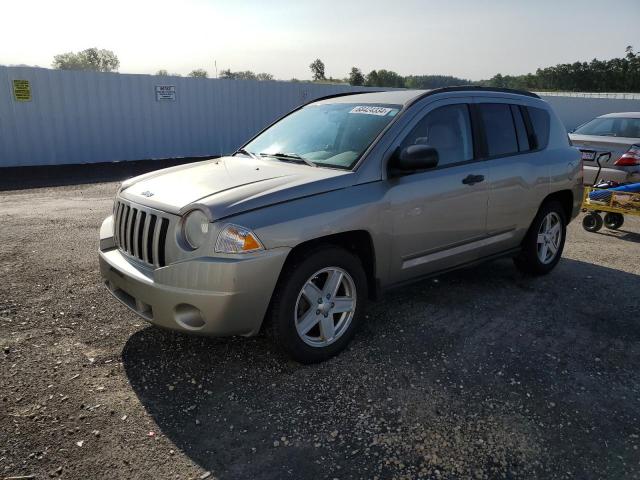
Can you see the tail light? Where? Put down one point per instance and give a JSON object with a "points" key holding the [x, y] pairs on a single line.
{"points": [[631, 158]]}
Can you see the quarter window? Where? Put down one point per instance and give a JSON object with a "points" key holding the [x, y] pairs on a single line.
{"points": [[448, 130], [540, 123], [499, 128]]}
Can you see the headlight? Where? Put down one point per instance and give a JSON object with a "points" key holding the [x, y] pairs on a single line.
{"points": [[236, 239], [195, 229]]}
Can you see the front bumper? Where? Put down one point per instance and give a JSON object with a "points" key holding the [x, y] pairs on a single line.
{"points": [[218, 296]]}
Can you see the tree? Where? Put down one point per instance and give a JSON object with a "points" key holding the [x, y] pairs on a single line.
{"points": [[198, 73], [245, 75], [264, 76], [162, 73], [99, 60], [317, 69], [384, 78], [355, 77]]}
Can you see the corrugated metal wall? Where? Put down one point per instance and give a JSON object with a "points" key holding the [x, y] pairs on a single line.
{"points": [[88, 117]]}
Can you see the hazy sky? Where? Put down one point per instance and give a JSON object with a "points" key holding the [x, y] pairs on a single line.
{"points": [[465, 38]]}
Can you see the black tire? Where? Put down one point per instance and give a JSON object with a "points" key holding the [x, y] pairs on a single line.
{"points": [[592, 222], [613, 221], [528, 260], [282, 311]]}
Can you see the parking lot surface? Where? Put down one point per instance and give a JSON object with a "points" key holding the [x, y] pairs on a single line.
{"points": [[481, 373]]}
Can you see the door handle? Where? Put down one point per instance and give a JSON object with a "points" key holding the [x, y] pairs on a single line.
{"points": [[473, 179]]}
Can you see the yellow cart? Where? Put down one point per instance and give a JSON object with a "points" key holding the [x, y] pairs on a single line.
{"points": [[615, 205]]}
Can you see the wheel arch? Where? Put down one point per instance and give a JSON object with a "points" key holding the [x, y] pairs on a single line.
{"points": [[358, 242], [565, 197]]}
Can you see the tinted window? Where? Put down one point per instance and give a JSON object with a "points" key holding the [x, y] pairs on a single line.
{"points": [[448, 130], [499, 128], [521, 130], [611, 127], [540, 122]]}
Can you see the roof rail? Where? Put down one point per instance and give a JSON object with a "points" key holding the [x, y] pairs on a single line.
{"points": [[477, 88]]}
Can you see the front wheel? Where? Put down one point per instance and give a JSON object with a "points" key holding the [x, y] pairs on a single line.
{"points": [[542, 246], [318, 304]]}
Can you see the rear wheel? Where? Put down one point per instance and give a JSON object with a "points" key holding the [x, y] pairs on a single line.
{"points": [[592, 222], [318, 304], [613, 221], [542, 247]]}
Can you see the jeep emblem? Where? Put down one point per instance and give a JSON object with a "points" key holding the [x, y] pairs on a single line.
{"points": [[147, 193]]}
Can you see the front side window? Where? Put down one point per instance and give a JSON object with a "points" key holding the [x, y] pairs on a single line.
{"points": [[448, 130], [332, 135], [611, 127], [499, 128]]}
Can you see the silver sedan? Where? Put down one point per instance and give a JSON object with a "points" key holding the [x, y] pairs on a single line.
{"points": [[618, 133]]}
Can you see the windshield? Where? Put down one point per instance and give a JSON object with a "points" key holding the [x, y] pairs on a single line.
{"points": [[332, 135], [611, 127]]}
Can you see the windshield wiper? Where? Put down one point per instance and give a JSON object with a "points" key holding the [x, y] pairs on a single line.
{"points": [[289, 157], [247, 152]]}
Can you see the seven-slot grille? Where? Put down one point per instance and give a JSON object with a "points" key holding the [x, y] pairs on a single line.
{"points": [[141, 233]]}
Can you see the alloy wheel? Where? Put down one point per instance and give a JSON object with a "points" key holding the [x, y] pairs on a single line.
{"points": [[325, 307]]}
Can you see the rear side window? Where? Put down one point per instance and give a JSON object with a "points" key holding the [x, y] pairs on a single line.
{"points": [[540, 123], [499, 128], [521, 129]]}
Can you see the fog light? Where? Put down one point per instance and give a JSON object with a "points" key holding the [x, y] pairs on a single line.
{"points": [[188, 317]]}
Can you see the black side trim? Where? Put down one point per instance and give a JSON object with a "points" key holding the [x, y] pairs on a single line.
{"points": [[480, 148], [507, 253]]}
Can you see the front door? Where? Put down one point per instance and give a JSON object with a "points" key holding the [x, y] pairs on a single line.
{"points": [[438, 217]]}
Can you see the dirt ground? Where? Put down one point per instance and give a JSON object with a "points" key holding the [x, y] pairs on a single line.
{"points": [[481, 373]]}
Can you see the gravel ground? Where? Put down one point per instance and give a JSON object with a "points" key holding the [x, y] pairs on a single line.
{"points": [[482, 373]]}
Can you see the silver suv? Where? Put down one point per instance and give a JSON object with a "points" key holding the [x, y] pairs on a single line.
{"points": [[340, 200]]}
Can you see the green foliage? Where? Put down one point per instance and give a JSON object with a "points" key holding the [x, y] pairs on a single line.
{"points": [[356, 78], [615, 75], [198, 73], [317, 69], [99, 60], [433, 81], [162, 73], [245, 75], [384, 78]]}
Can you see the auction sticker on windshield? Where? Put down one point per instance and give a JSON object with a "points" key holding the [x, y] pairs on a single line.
{"points": [[380, 111]]}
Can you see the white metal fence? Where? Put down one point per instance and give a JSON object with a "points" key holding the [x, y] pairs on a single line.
{"points": [[87, 117], [66, 117]]}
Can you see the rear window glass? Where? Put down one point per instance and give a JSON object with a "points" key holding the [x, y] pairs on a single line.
{"points": [[540, 123], [499, 128], [611, 127]]}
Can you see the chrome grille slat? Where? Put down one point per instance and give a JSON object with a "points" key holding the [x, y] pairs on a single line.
{"points": [[138, 233], [156, 243], [145, 238], [128, 234]]}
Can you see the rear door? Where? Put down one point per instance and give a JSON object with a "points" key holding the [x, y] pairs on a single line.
{"points": [[437, 217], [518, 173]]}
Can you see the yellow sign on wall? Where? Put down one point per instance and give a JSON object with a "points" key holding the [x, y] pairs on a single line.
{"points": [[22, 90]]}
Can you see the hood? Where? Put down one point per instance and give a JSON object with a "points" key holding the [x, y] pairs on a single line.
{"points": [[230, 185]]}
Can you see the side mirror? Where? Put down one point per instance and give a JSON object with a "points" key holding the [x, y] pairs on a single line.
{"points": [[414, 158]]}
